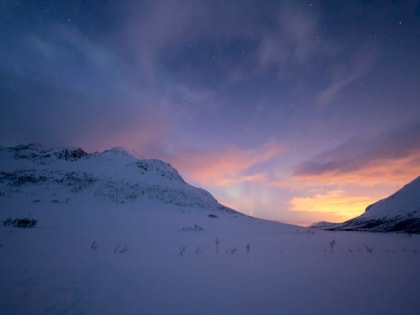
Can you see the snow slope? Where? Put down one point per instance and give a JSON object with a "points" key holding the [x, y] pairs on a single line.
{"points": [[115, 174], [399, 212], [97, 250]]}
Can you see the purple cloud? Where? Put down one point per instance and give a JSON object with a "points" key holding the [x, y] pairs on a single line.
{"points": [[361, 152]]}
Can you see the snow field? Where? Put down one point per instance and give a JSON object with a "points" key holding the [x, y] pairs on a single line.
{"points": [[52, 269]]}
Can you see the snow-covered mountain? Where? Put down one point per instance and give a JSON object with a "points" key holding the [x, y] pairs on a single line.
{"points": [[116, 175], [399, 212]]}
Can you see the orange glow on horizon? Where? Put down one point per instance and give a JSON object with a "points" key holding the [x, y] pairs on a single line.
{"points": [[333, 202], [302, 199], [357, 189]]}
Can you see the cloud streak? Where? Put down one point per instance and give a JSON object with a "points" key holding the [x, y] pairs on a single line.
{"points": [[226, 166], [394, 155], [361, 64]]}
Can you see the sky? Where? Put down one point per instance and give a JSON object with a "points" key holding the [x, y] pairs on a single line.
{"points": [[295, 111]]}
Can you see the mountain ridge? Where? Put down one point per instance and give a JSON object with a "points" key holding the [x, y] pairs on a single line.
{"points": [[116, 174]]}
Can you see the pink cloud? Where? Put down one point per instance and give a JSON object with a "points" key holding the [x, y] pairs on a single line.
{"points": [[224, 166]]}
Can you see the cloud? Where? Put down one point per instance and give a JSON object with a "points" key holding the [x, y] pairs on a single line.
{"points": [[280, 34], [360, 65], [294, 39], [105, 79], [152, 28], [391, 156], [224, 166], [76, 91]]}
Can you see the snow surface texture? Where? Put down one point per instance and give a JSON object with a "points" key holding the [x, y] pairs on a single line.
{"points": [[400, 212], [96, 250]]}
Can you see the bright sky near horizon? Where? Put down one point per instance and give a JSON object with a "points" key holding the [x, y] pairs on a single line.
{"points": [[297, 111]]}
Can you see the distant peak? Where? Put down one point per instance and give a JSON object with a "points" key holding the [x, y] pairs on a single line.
{"points": [[37, 151], [71, 154], [122, 151]]}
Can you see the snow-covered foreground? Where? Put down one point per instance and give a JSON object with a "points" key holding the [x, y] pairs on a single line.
{"points": [[152, 258]]}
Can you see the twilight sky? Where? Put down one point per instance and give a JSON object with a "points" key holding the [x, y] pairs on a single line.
{"points": [[297, 111]]}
